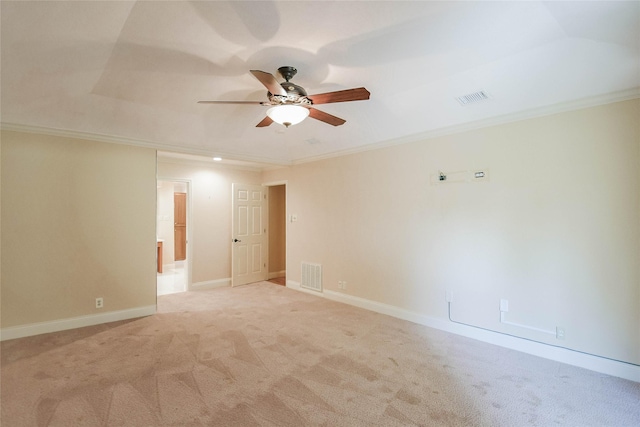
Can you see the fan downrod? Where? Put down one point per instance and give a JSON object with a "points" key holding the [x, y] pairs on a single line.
{"points": [[287, 72]]}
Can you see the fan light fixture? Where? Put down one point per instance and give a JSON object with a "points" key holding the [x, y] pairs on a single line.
{"points": [[288, 115]]}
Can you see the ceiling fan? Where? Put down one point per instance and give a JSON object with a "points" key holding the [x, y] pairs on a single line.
{"points": [[290, 103]]}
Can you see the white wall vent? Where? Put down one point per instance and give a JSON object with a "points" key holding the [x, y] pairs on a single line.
{"points": [[311, 276], [473, 97]]}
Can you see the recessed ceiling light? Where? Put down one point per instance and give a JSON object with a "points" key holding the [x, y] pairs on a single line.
{"points": [[217, 159]]}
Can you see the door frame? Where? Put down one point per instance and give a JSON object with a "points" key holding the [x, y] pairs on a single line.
{"points": [[286, 218], [189, 184]]}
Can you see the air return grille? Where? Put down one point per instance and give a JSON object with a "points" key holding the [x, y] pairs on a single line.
{"points": [[473, 97], [311, 276]]}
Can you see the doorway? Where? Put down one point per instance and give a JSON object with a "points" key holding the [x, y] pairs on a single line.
{"points": [[277, 196], [258, 241], [172, 231]]}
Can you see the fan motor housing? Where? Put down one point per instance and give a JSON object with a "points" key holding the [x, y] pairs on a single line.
{"points": [[293, 89], [295, 95]]}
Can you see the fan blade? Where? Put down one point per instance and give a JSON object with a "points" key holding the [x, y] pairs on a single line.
{"points": [[325, 117], [358, 94], [269, 82], [265, 122], [234, 102]]}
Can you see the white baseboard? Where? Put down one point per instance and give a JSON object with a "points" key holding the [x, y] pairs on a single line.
{"points": [[210, 284], [558, 354], [14, 332], [277, 274]]}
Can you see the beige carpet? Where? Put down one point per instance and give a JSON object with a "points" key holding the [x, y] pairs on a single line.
{"points": [[265, 355]]}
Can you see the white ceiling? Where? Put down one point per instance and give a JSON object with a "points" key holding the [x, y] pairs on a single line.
{"points": [[134, 71]]}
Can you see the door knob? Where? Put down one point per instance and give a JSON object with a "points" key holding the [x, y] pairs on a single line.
{"points": [[236, 240]]}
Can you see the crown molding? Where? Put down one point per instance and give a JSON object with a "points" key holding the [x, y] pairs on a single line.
{"points": [[580, 104], [65, 133], [264, 164]]}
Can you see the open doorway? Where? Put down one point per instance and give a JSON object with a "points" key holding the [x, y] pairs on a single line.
{"points": [[277, 233], [172, 231]]}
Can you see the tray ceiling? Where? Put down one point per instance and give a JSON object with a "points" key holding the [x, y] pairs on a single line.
{"points": [[134, 71]]}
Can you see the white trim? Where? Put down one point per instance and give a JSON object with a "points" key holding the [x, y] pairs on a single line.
{"points": [[211, 284], [558, 354], [275, 183], [296, 286], [14, 332], [271, 164], [276, 274], [98, 137], [532, 113]]}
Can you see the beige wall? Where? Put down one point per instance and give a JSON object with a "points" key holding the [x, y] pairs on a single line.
{"points": [[77, 224], [277, 228], [555, 229], [0, 231], [210, 247]]}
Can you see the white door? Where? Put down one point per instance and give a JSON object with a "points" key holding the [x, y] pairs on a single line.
{"points": [[248, 247]]}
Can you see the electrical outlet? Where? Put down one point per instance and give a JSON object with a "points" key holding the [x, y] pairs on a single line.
{"points": [[559, 333], [448, 295], [504, 305], [342, 284], [99, 302]]}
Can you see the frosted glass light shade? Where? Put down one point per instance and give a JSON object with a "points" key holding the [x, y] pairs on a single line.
{"points": [[288, 115]]}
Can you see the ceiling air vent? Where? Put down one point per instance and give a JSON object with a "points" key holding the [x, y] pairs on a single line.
{"points": [[472, 98]]}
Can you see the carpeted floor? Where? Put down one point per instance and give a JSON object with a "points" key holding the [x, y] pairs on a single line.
{"points": [[265, 355]]}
